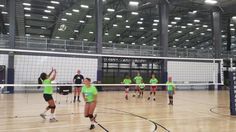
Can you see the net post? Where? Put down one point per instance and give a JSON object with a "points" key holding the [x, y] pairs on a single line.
{"points": [[214, 74], [232, 76], [10, 79]]}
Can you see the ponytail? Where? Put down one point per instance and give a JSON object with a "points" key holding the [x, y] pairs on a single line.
{"points": [[42, 77], [39, 82]]}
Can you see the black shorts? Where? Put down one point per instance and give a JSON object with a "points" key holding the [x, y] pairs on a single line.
{"points": [[126, 87], [47, 97]]}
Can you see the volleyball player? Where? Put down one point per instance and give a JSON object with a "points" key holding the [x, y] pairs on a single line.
{"points": [[127, 81], [171, 90], [90, 97], [78, 79], [142, 87], [153, 88], [137, 79], [47, 93]]}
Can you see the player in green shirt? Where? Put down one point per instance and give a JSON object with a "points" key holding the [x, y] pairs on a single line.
{"points": [[127, 81], [90, 97], [138, 80], [142, 86], [170, 89], [47, 93], [153, 88]]}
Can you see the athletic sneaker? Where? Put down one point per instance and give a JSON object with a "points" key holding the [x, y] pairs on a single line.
{"points": [[53, 120], [78, 100], [126, 97], [154, 99], [148, 98], [92, 127], [134, 95], [43, 116]]}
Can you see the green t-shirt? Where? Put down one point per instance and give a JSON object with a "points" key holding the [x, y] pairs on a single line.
{"points": [[47, 89], [170, 86], [138, 79], [141, 85], [89, 93], [153, 81], [127, 81]]}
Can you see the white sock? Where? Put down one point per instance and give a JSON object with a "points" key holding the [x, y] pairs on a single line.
{"points": [[52, 116], [92, 122]]}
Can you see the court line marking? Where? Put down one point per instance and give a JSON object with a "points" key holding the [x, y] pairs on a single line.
{"points": [[132, 114], [223, 107]]}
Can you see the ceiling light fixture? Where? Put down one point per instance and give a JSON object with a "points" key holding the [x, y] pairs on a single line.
{"points": [[134, 13], [64, 19], [133, 3], [26, 4], [196, 21], [88, 16], [54, 2], [141, 28], [155, 20], [211, 2], [110, 10], [4, 13], [50, 7], [173, 23], [75, 10], [106, 18], [139, 22], [127, 26], [44, 17], [68, 14], [84, 6], [81, 21], [177, 18], [27, 15], [47, 11], [27, 8], [118, 16], [154, 24]]}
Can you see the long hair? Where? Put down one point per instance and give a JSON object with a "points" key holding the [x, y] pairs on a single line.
{"points": [[42, 77]]}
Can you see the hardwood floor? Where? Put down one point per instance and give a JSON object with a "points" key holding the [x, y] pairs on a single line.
{"points": [[193, 111]]}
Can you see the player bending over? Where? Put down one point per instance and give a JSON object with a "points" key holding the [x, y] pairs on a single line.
{"points": [[90, 97]]}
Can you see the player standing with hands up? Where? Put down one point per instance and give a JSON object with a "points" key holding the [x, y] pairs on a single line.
{"points": [[47, 93]]}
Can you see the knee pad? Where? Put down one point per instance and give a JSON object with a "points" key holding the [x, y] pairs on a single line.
{"points": [[52, 107], [90, 115]]}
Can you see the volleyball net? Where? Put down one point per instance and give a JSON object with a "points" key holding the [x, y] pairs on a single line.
{"points": [[187, 73]]}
